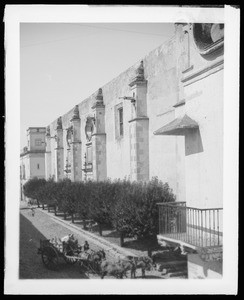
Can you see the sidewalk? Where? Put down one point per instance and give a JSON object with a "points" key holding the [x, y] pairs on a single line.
{"points": [[50, 226], [113, 250]]}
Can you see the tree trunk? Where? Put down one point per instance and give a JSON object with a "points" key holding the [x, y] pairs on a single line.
{"points": [[149, 251], [121, 239], [72, 218], [84, 224], [43, 206], [100, 229], [38, 204], [55, 210]]}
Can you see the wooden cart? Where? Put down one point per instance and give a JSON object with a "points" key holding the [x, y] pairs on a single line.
{"points": [[52, 254]]}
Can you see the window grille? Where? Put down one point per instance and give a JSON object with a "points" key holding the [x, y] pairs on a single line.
{"points": [[121, 125]]}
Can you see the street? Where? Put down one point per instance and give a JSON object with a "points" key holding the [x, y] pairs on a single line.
{"points": [[32, 229], [40, 225]]}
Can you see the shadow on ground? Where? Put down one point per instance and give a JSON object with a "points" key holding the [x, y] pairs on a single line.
{"points": [[30, 263], [141, 245]]}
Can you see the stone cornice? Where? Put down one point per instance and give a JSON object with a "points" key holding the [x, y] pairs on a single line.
{"points": [[180, 103], [75, 142], [139, 119], [75, 119], [137, 82], [32, 152], [211, 69], [98, 134], [98, 105]]}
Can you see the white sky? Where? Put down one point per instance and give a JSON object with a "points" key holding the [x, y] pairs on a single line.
{"points": [[63, 63]]}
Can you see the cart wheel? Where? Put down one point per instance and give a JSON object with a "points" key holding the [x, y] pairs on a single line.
{"points": [[50, 258]]}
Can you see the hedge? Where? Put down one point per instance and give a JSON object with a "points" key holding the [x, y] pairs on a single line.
{"points": [[129, 207]]}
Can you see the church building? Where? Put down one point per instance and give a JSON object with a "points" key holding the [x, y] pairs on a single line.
{"points": [[161, 117]]}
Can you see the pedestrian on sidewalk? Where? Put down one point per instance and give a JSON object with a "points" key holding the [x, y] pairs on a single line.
{"points": [[33, 211]]}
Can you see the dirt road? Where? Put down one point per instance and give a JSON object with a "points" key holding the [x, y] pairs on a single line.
{"points": [[32, 229], [42, 226]]}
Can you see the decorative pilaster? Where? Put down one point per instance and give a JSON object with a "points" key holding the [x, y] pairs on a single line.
{"points": [[48, 159], [99, 139], [139, 128], [183, 54], [59, 151], [75, 147]]}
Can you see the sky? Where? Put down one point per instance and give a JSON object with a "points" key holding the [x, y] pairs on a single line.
{"points": [[63, 63]]}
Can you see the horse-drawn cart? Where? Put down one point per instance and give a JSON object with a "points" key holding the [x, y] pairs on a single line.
{"points": [[54, 251]]}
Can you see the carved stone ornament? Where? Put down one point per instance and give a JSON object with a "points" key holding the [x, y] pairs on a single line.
{"points": [[59, 123], [89, 128], [48, 131], [69, 135], [139, 75], [98, 99], [76, 114]]}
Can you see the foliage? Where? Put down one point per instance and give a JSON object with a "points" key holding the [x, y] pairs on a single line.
{"points": [[130, 207], [33, 188]]}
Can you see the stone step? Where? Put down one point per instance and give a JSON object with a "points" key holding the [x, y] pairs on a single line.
{"points": [[172, 266]]}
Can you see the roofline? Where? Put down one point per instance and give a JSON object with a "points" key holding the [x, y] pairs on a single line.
{"points": [[36, 128]]}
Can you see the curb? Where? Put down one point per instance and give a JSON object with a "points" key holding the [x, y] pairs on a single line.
{"points": [[112, 249]]}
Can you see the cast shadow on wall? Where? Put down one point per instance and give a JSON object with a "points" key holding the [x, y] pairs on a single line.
{"points": [[193, 142]]}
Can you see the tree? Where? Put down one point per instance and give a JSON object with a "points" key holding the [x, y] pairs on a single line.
{"points": [[99, 202], [135, 212], [81, 200], [65, 199], [123, 209], [32, 189]]}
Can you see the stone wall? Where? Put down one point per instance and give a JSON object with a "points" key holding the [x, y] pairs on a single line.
{"points": [[179, 80]]}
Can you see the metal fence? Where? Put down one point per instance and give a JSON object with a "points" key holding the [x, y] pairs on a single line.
{"points": [[198, 227]]}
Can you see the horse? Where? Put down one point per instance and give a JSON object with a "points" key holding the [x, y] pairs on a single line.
{"points": [[127, 265], [111, 268], [142, 262], [92, 260]]}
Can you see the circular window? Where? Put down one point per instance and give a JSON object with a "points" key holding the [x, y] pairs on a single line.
{"points": [[208, 37]]}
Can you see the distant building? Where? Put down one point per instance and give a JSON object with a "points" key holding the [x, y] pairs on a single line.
{"points": [[32, 159], [162, 117]]}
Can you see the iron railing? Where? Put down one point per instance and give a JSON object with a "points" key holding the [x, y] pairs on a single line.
{"points": [[197, 227]]}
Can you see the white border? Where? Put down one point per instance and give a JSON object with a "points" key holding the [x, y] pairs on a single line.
{"points": [[72, 13]]}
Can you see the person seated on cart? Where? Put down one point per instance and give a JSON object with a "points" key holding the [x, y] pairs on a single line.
{"points": [[67, 238], [70, 244]]}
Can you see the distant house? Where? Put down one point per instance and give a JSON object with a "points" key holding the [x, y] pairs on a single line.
{"points": [[32, 158]]}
